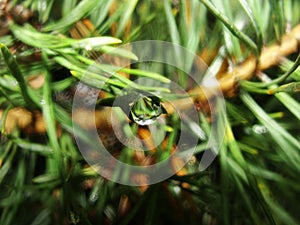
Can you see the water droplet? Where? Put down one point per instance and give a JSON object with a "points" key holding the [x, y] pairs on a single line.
{"points": [[146, 109], [259, 129], [43, 101], [94, 197], [143, 121]]}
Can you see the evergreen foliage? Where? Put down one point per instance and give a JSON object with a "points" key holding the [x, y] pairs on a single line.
{"points": [[250, 46]]}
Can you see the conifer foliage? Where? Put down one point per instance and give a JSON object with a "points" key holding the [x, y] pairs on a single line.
{"points": [[53, 50]]}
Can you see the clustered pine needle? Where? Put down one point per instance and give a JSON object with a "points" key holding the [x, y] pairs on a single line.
{"points": [[253, 46]]}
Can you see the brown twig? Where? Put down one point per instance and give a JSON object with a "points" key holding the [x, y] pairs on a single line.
{"points": [[227, 82]]}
